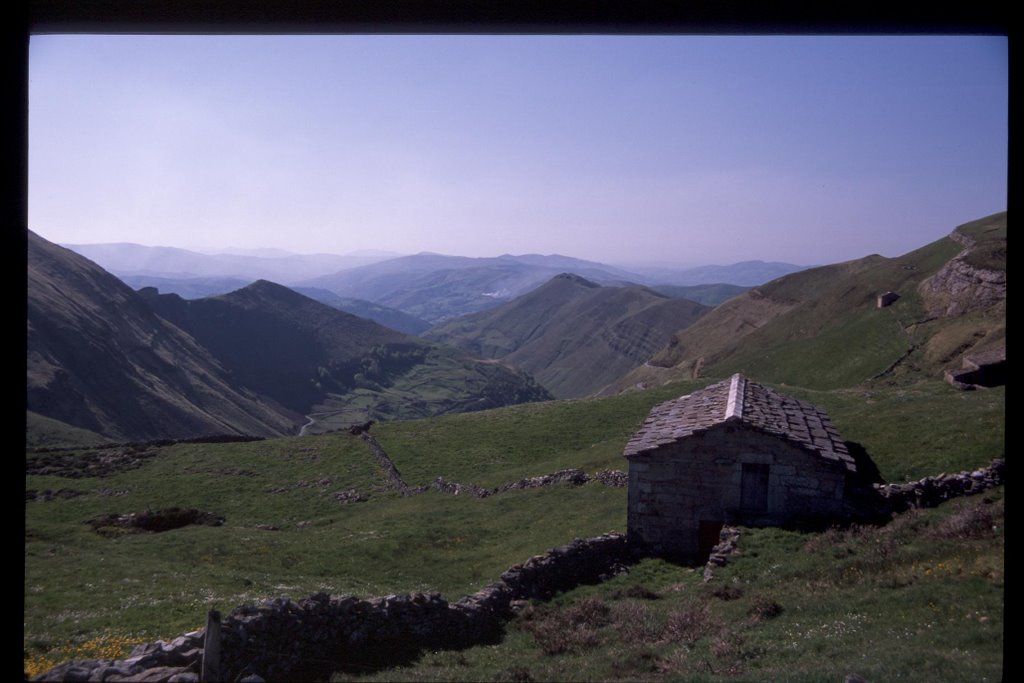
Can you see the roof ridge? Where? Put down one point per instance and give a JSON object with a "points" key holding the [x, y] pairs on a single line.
{"points": [[737, 388]]}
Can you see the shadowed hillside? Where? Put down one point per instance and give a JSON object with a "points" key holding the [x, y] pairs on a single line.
{"points": [[386, 316], [822, 327], [99, 359], [573, 335], [316, 359]]}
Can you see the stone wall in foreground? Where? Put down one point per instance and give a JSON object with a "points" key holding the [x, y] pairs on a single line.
{"points": [[284, 639]]}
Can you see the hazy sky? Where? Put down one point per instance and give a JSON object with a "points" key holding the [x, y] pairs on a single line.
{"points": [[614, 148]]}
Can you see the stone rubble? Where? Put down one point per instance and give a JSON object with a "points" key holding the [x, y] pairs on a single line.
{"points": [[572, 476], [728, 545]]}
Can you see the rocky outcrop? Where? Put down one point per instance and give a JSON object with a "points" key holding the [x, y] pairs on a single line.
{"points": [[160, 662], [984, 369], [153, 521], [959, 287]]}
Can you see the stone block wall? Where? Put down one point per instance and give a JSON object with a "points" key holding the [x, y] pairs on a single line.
{"points": [[673, 489]]}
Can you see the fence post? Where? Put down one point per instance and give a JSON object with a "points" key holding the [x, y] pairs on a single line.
{"points": [[211, 648]]}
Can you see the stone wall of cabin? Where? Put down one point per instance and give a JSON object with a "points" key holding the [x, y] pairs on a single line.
{"points": [[673, 489]]}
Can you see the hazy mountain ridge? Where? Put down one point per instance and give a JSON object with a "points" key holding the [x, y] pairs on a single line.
{"points": [[743, 274], [709, 294], [186, 287], [427, 286], [127, 259], [573, 335], [100, 359], [435, 287]]}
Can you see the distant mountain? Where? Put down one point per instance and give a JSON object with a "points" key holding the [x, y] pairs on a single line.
{"points": [[126, 259], [99, 359], [823, 328], [709, 295], [388, 317], [186, 287], [315, 359], [572, 334], [435, 287], [744, 274]]}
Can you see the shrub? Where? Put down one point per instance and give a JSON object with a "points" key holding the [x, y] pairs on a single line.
{"points": [[690, 624], [763, 608], [727, 592], [636, 623], [567, 629], [973, 520], [639, 591]]}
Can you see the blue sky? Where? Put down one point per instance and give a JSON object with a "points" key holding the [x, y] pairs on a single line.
{"points": [[681, 149]]}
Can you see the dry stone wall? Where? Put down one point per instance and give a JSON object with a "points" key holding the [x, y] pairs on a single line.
{"points": [[931, 491], [572, 476], [309, 639]]}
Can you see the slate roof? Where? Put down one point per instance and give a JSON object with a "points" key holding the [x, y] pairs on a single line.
{"points": [[738, 398]]}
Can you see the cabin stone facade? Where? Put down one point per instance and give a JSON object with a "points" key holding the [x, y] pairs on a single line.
{"points": [[887, 299], [735, 452]]}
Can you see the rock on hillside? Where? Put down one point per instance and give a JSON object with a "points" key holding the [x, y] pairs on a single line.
{"points": [[974, 280]]}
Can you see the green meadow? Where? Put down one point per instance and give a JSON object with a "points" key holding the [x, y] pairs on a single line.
{"points": [[918, 599]]}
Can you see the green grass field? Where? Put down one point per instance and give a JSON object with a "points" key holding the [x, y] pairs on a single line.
{"points": [[88, 595], [918, 600]]}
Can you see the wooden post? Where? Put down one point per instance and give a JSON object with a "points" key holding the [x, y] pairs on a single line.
{"points": [[211, 649]]}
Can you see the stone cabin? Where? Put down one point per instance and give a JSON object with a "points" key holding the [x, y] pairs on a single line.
{"points": [[734, 452], [887, 299]]}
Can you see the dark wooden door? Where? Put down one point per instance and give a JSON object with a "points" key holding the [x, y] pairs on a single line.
{"points": [[754, 493]]}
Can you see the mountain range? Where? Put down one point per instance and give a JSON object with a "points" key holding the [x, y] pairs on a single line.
{"points": [[264, 359], [142, 365], [427, 287], [125, 258]]}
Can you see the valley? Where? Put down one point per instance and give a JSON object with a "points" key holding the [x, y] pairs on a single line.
{"points": [[554, 380]]}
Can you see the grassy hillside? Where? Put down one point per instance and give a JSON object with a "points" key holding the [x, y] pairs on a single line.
{"points": [[84, 590], [572, 335], [100, 360], [918, 600], [821, 328], [45, 432]]}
